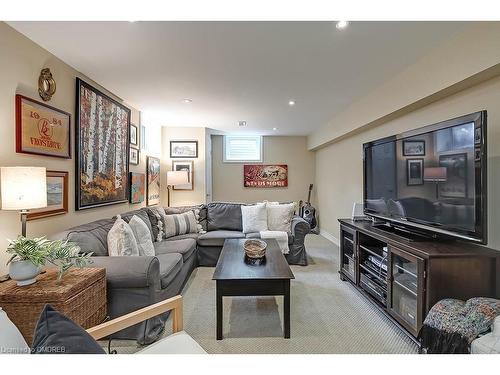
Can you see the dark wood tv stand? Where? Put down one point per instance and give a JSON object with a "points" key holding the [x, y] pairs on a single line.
{"points": [[417, 274]]}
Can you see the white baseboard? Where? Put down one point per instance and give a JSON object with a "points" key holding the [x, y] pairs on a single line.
{"points": [[329, 237]]}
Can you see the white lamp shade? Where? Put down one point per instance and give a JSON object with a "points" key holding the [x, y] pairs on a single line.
{"points": [[177, 178], [23, 188]]}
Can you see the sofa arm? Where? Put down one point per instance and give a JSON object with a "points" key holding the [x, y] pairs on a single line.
{"points": [[129, 271], [300, 228]]}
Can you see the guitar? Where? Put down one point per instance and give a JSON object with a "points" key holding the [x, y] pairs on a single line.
{"points": [[307, 211]]}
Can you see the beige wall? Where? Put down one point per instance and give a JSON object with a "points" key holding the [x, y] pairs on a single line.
{"points": [[227, 178], [20, 63], [183, 197], [340, 180]]}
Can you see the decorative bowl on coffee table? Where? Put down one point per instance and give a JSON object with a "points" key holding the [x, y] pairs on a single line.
{"points": [[255, 248]]}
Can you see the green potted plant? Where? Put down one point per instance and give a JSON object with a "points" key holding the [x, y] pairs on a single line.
{"points": [[29, 254]]}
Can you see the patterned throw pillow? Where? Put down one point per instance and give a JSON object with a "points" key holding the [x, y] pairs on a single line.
{"points": [[121, 240], [142, 236], [177, 224]]}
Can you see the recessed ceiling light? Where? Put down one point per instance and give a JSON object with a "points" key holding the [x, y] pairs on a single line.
{"points": [[291, 103], [187, 101], [342, 25], [275, 128], [242, 123]]}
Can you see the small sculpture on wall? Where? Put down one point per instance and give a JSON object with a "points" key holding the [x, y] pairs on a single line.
{"points": [[46, 84]]}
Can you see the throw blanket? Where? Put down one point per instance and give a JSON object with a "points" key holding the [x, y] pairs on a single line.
{"points": [[452, 325], [280, 237]]}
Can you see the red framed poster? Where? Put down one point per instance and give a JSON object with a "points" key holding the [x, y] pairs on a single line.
{"points": [[265, 176]]}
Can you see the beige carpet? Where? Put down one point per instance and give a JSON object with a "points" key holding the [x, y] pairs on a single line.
{"points": [[327, 315]]}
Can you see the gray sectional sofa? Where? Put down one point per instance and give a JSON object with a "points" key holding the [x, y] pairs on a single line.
{"points": [[137, 281]]}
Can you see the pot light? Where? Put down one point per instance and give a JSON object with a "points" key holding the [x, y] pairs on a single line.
{"points": [[342, 25], [242, 123], [275, 129], [291, 103], [187, 101]]}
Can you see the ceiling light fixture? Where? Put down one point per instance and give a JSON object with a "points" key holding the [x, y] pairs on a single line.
{"points": [[275, 129], [187, 101], [242, 123], [342, 25], [291, 103]]}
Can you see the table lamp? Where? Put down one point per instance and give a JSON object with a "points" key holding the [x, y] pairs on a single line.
{"points": [[436, 175], [22, 189], [176, 178]]}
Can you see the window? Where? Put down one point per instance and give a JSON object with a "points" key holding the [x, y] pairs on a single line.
{"points": [[242, 148]]}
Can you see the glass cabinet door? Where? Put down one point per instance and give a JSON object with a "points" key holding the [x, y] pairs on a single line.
{"points": [[348, 254], [406, 289]]}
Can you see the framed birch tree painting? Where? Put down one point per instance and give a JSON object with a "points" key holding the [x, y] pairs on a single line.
{"points": [[102, 148]]}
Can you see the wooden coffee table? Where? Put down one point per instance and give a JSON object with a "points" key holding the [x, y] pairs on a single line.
{"points": [[235, 277]]}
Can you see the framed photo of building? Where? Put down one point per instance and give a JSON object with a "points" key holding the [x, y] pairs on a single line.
{"points": [[134, 156], [57, 196], [184, 166], [137, 187], [153, 181], [183, 149], [414, 148], [42, 129], [102, 146], [414, 172]]}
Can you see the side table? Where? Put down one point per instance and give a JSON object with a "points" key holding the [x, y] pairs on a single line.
{"points": [[80, 295]]}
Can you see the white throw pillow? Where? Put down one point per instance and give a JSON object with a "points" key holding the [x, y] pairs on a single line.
{"points": [[279, 216], [121, 240], [142, 236], [11, 340], [254, 218]]}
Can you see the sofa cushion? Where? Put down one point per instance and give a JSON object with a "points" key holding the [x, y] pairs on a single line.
{"points": [[217, 237], [142, 214], [193, 236], [142, 236], [257, 235], [177, 343], [90, 237], [170, 265], [121, 239], [224, 216], [185, 247]]}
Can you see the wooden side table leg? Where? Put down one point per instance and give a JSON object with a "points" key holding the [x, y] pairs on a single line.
{"points": [[219, 317], [286, 310]]}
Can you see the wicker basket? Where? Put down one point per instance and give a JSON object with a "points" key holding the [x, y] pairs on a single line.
{"points": [[81, 296], [255, 249]]}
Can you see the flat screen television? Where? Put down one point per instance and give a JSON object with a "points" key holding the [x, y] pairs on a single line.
{"points": [[431, 180]]}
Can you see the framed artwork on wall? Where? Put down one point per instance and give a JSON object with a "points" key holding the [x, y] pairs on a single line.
{"points": [[183, 149], [414, 148], [102, 147], [184, 165], [137, 187], [133, 135], [153, 181], [134, 156], [414, 172], [57, 196], [42, 129], [265, 176]]}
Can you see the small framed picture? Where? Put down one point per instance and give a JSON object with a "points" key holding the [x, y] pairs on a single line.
{"points": [[134, 156], [183, 149], [57, 196], [137, 187], [414, 172], [133, 135], [184, 166], [413, 148], [478, 136]]}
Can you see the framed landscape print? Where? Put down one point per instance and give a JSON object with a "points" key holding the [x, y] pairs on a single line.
{"points": [[413, 148], [414, 172], [42, 129], [57, 196], [102, 146], [265, 176], [184, 166], [456, 176], [183, 149], [137, 187], [153, 181], [133, 135], [134, 156]]}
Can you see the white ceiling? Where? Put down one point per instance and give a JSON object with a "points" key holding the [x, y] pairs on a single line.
{"points": [[239, 70]]}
